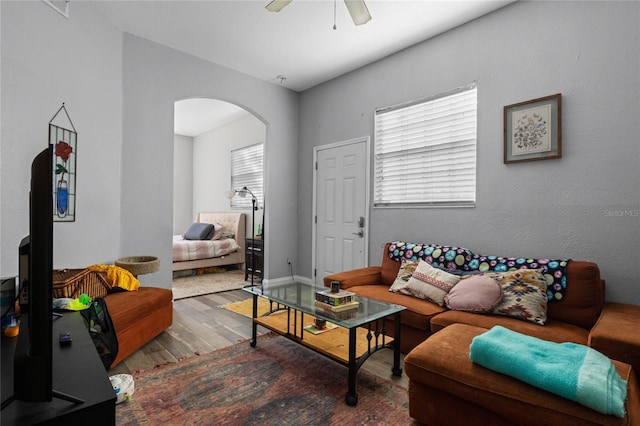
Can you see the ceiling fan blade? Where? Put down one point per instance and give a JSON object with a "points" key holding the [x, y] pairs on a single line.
{"points": [[358, 11], [277, 5]]}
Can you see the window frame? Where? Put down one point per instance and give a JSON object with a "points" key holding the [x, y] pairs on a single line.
{"points": [[252, 179], [399, 150]]}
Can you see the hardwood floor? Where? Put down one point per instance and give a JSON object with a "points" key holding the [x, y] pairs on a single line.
{"points": [[200, 325]]}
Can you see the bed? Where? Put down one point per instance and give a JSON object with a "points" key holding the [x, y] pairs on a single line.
{"points": [[190, 254]]}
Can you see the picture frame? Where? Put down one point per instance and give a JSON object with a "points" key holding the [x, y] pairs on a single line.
{"points": [[533, 130]]}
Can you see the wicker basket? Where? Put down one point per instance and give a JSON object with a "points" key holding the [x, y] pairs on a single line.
{"points": [[71, 283], [139, 265]]}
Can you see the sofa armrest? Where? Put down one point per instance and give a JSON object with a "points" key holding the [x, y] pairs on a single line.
{"points": [[361, 276], [616, 333]]}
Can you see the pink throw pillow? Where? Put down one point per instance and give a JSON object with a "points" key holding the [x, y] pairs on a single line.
{"points": [[477, 293]]}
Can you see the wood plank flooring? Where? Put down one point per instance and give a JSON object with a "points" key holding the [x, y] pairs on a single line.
{"points": [[200, 325]]}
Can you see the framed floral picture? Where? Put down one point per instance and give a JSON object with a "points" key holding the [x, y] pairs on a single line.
{"points": [[533, 130]]}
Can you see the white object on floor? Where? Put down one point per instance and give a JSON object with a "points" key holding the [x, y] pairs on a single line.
{"points": [[123, 386]]}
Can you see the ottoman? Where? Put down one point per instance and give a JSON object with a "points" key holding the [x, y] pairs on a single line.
{"points": [[138, 317], [447, 388]]}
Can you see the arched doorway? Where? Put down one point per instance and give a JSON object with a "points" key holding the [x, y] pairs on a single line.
{"points": [[206, 132]]}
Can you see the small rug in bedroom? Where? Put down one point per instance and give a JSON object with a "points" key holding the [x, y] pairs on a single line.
{"points": [[276, 383], [214, 281]]}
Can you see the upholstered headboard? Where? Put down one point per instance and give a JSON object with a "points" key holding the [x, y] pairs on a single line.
{"points": [[232, 221]]}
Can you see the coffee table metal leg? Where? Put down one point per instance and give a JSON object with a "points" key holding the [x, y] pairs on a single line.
{"points": [[396, 370], [352, 397], [254, 325]]}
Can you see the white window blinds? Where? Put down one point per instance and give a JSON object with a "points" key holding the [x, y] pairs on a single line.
{"points": [[247, 169], [425, 151]]}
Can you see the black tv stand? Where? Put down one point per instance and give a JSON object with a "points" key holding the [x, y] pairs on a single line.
{"points": [[82, 392], [55, 393]]}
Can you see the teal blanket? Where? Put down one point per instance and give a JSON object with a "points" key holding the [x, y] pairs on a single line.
{"points": [[573, 371]]}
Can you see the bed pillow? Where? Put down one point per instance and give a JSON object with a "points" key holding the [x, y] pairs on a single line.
{"points": [[218, 231], [429, 283], [524, 295], [199, 231], [478, 294]]}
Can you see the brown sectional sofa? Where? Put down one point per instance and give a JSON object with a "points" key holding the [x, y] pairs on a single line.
{"points": [[582, 316]]}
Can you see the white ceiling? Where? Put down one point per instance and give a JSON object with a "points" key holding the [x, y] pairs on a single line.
{"points": [[299, 42], [193, 117]]}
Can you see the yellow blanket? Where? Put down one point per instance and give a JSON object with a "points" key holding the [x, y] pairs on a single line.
{"points": [[117, 276]]}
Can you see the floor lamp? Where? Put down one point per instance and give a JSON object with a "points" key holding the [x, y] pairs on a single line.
{"points": [[254, 206]]}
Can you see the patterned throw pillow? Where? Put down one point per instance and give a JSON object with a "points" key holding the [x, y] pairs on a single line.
{"points": [[406, 271], [428, 283], [524, 295]]}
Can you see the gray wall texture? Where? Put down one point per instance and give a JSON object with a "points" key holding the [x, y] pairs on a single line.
{"points": [[584, 206]]}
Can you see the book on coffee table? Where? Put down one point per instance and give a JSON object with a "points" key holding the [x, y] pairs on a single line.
{"points": [[335, 299], [314, 329], [339, 308]]}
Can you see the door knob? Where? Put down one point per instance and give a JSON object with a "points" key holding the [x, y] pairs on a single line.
{"points": [[360, 233]]}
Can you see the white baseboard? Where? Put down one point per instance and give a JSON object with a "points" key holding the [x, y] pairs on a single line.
{"points": [[286, 280]]}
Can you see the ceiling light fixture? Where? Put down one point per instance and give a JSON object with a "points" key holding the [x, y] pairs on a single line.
{"points": [[277, 5], [282, 78], [357, 9]]}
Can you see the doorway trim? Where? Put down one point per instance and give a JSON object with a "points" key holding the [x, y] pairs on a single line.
{"points": [[367, 182]]}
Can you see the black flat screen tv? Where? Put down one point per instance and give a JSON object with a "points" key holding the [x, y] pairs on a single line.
{"points": [[33, 355]]}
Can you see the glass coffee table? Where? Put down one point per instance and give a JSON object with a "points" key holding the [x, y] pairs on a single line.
{"points": [[358, 332]]}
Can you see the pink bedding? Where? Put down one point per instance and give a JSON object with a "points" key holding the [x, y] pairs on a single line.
{"points": [[184, 250]]}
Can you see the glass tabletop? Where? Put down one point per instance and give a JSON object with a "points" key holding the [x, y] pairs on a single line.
{"points": [[302, 297]]}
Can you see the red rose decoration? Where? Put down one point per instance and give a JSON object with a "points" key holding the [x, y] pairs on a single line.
{"points": [[63, 150]]}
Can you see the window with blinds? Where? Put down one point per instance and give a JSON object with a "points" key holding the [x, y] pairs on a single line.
{"points": [[247, 169], [425, 151]]}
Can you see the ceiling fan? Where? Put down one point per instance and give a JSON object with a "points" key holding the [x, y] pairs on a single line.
{"points": [[357, 9]]}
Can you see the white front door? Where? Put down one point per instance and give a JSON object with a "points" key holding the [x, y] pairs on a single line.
{"points": [[341, 195]]}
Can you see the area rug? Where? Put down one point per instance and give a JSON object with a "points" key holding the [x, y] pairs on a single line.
{"points": [[214, 281], [245, 307], [276, 383]]}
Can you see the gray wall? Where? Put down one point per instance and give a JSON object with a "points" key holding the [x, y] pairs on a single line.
{"points": [[182, 183], [147, 154], [120, 91], [48, 60], [212, 164], [202, 169], [584, 206]]}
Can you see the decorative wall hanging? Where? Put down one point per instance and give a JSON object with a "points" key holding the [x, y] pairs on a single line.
{"points": [[64, 169], [533, 130]]}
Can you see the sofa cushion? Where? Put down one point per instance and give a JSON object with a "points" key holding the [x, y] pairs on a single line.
{"points": [[524, 295], [611, 334], [426, 283], [553, 330], [389, 270], [477, 294], [584, 297]]}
